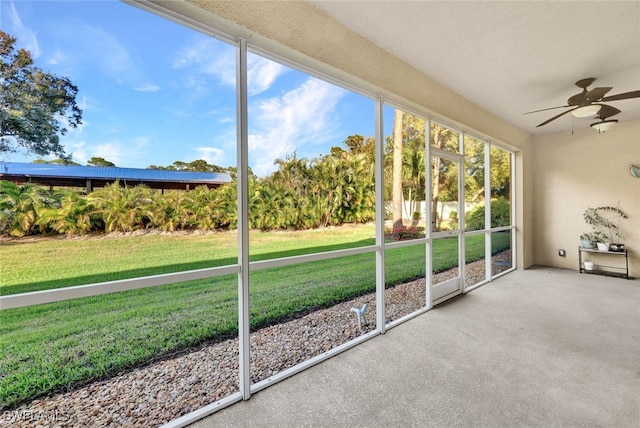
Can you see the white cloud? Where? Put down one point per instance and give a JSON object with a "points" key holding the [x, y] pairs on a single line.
{"points": [[261, 74], [85, 103], [205, 58], [140, 142], [82, 151], [113, 152], [78, 150], [121, 153], [194, 53], [300, 118], [147, 88], [58, 57], [85, 48], [212, 155], [228, 119], [221, 150], [196, 85], [26, 37], [114, 57], [219, 64], [71, 131]]}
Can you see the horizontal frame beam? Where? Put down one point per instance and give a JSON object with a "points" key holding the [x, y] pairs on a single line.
{"points": [[100, 288]]}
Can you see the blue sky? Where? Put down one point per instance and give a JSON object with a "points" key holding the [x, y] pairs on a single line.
{"points": [[154, 92]]}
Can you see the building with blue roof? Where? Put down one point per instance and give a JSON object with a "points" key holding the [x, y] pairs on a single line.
{"points": [[90, 177]]}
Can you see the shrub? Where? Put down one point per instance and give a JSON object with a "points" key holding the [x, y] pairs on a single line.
{"points": [[407, 232], [500, 215]]}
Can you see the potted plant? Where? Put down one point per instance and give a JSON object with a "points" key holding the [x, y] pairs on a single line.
{"points": [[590, 239], [607, 226]]}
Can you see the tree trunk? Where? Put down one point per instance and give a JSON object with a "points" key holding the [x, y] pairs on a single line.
{"points": [[435, 177], [397, 169]]}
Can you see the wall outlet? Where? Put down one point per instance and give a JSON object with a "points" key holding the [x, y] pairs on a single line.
{"points": [[562, 253]]}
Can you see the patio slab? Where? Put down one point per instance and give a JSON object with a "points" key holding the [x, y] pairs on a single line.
{"points": [[541, 347]]}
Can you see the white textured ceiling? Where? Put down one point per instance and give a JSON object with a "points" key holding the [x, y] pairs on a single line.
{"points": [[510, 57]]}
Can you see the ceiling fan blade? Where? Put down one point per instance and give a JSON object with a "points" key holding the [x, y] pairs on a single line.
{"points": [[577, 99], [596, 94], [557, 116], [584, 83], [622, 96], [545, 109], [607, 111]]}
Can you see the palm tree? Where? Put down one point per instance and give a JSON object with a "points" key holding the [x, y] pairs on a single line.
{"points": [[360, 204], [20, 207], [121, 208], [225, 205], [262, 201], [292, 174], [437, 140], [73, 215], [201, 208], [169, 211], [397, 169], [414, 177]]}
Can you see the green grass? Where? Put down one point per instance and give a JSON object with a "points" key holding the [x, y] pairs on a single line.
{"points": [[50, 347], [57, 263]]}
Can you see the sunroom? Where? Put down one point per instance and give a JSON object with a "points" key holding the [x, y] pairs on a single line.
{"points": [[483, 195]]}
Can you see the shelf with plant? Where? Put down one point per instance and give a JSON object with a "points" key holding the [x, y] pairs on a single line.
{"points": [[606, 223]]}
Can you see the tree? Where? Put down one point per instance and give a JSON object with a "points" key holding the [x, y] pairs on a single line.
{"points": [[443, 181], [198, 165], [397, 170], [122, 209], [59, 161], [170, 211], [356, 144], [414, 167], [414, 177], [474, 169], [500, 172], [20, 207], [97, 161], [35, 106], [71, 215]]}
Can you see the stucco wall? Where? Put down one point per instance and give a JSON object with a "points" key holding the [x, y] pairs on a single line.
{"points": [[575, 172], [299, 32]]}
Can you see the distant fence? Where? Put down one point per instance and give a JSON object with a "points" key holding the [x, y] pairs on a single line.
{"points": [[444, 208]]}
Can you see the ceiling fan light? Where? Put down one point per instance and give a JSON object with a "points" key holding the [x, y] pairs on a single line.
{"points": [[586, 111], [604, 125]]}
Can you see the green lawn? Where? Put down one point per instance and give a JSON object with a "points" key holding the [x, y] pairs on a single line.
{"points": [[57, 263], [48, 347]]}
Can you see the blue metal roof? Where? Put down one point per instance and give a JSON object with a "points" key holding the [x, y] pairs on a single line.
{"points": [[110, 173]]}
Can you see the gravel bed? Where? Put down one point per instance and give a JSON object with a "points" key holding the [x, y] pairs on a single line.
{"points": [[165, 390]]}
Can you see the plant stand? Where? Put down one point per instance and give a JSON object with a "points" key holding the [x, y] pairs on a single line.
{"points": [[617, 271]]}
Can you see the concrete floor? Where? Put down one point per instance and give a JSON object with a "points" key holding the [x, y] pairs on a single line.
{"points": [[541, 347]]}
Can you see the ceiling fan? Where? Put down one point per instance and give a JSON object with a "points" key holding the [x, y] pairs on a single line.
{"points": [[589, 102]]}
